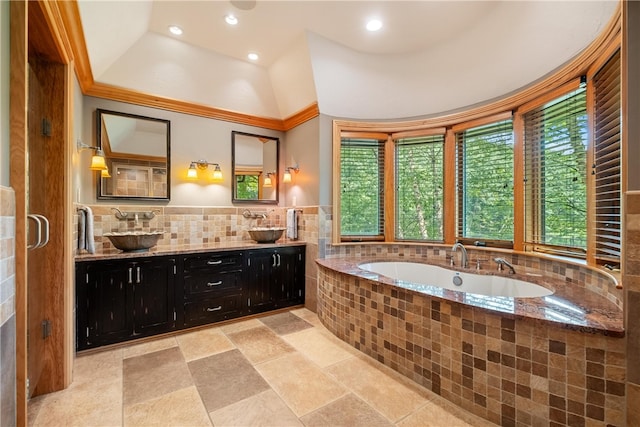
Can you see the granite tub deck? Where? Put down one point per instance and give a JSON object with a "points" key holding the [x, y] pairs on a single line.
{"points": [[530, 362]]}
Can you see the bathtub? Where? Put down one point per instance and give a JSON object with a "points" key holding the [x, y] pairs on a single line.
{"points": [[411, 275], [513, 350]]}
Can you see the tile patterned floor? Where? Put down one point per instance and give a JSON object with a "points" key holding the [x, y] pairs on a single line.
{"points": [[280, 370]]}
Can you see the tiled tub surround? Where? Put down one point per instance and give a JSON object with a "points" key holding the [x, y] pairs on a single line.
{"points": [[510, 368]]}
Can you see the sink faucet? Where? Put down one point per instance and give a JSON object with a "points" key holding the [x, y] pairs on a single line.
{"points": [[463, 253], [503, 262], [135, 219]]}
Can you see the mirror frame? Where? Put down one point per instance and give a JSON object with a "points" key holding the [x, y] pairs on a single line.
{"points": [[100, 196], [233, 170]]}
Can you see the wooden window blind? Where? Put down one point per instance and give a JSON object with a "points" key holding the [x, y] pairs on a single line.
{"points": [[362, 189], [420, 188], [484, 169], [555, 145], [606, 165]]}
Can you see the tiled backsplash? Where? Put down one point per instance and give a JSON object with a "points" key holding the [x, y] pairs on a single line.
{"points": [[7, 307], [195, 225]]}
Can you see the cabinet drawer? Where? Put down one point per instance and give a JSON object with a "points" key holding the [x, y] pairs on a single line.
{"points": [[214, 262], [202, 282], [212, 309]]}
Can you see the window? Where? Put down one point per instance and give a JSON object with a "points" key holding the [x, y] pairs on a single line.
{"points": [[362, 188], [606, 167], [420, 188], [484, 182], [555, 145]]}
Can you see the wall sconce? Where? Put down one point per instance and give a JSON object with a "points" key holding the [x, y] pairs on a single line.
{"points": [[204, 165], [97, 160], [267, 180], [287, 173]]}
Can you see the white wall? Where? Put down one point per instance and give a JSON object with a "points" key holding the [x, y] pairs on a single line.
{"points": [[192, 138], [301, 148], [4, 93]]}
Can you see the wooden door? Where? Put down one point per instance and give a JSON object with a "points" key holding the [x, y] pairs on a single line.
{"points": [[36, 256]]}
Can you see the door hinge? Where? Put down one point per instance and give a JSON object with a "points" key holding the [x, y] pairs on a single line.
{"points": [[46, 328], [46, 127], [28, 388]]}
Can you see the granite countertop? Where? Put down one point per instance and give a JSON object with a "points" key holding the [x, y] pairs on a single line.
{"points": [[571, 306], [186, 249]]}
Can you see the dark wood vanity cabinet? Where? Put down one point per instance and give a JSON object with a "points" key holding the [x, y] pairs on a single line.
{"points": [[123, 299], [276, 278], [119, 300], [213, 287]]}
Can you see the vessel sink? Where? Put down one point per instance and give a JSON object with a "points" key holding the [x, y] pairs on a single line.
{"points": [[134, 241], [266, 234]]}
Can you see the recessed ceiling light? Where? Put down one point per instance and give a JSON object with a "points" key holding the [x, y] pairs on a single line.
{"points": [[231, 20], [374, 25], [175, 30], [253, 56]]}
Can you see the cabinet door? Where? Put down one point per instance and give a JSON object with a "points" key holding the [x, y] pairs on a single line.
{"points": [[262, 288], [153, 295], [290, 276], [109, 310]]}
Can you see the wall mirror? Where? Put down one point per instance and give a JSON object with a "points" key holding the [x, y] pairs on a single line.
{"points": [[137, 152], [254, 160]]}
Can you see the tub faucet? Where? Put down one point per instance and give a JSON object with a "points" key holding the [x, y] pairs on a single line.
{"points": [[463, 254], [503, 262]]}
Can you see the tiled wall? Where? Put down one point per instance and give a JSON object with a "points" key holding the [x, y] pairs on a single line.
{"points": [[7, 308], [511, 371], [631, 280]]}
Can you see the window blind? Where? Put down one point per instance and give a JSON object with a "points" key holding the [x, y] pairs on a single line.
{"points": [[362, 188], [484, 157], [555, 143], [606, 167], [420, 188]]}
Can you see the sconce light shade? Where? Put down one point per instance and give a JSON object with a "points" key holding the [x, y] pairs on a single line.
{"points": [[203, 165], [192, 173], [287, 173], [217, 174], [267, 181], [105, 173], [97, 161]]}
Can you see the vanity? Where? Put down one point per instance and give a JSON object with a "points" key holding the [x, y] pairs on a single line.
{"points": [[141, 292], [122, 297]]}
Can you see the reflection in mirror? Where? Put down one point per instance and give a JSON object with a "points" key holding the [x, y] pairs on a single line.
{"points": [[136, 151], [254, 159]]}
